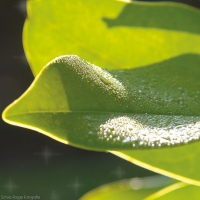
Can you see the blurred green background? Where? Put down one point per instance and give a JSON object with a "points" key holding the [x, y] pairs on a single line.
{"points": [[30, 163]]}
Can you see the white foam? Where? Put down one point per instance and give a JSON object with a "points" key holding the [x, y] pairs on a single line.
{"points": [[151, 130]]}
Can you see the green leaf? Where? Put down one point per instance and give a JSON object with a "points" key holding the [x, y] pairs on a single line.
{"points": [[136, 188], [75, 102], [177, 191], [111, 34]]}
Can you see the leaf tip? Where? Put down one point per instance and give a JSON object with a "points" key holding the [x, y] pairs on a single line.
{"points": [[10, 114], [12, 118], [6, 113]]}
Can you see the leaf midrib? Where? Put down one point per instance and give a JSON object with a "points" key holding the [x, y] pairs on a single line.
{"points": [[95, 112]]}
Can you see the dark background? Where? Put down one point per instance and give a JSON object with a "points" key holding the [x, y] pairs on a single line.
{"points": [[33, 164]]}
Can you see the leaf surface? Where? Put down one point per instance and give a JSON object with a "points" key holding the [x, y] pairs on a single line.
{"points": [[136, 188], [79, 103], [176, 191], [128, 39], [111, 34]]}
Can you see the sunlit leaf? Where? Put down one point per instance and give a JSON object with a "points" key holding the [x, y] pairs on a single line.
{"points": [[177, 191], [136, 188], [75, 102], [111, 34]]}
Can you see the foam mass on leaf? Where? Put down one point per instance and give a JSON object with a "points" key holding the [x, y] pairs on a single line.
{"points": [[79, 103]]}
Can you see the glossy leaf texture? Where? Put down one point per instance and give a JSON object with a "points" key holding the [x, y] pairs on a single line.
{"points": [[135, 188], [111, 34], [120, 111]]}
